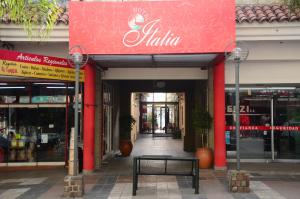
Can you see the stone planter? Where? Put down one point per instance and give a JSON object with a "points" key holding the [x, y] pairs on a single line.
{"points": [[238, 181], [73, 186]]}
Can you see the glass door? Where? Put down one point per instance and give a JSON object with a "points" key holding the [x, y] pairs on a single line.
{"points": [[146, 118], [172, 117], [159, 118], [287, 127], [51, 127], [255, 132], [159, 113]]}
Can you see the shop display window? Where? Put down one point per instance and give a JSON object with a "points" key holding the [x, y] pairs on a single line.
{"points": [[35, 120], [263, 109]]}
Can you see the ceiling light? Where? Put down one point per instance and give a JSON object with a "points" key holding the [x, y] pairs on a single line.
{"points": [[59, 87], [261, 88], [13, 87], [48, 83]]}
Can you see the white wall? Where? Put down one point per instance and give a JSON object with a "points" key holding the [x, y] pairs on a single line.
{"points": [[154, 73]]}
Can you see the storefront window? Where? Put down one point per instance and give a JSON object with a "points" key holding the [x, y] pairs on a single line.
{"points": [[33, 121], [263, 111]]}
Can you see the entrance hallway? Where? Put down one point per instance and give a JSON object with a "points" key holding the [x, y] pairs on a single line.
{"points": [[146, 145]]}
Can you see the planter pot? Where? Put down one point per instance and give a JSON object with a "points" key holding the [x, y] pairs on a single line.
{"points": [[125, 147], [205, 156]]}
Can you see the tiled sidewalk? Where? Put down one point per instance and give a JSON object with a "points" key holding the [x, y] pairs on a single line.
{"points": [[99, 185], [114, 180]]}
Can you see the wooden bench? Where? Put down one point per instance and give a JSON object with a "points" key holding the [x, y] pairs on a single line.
{"points": [[137, 169]]}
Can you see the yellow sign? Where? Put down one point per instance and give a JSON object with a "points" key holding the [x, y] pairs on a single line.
{"points": [[21, 69]]}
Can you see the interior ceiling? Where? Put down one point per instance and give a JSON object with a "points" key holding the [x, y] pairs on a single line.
{"points": [[15, 79], [149, 61]]}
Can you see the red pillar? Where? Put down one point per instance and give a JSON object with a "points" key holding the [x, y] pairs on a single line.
{"points": [[89, 118], [219, 115]]}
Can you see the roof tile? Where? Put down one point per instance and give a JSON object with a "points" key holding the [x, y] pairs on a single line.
{"points": [[244, 14], [266, 13]]}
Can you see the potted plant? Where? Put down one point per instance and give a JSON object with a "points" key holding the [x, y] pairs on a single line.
{"points": [[202, 123], [126, 125]]}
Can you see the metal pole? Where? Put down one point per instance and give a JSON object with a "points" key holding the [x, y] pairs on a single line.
{"points": [[237, 114], [272, 130], [76, 119]]}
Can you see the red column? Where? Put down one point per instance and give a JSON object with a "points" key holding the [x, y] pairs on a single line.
{"points": [[89, 118], [219, 115]]}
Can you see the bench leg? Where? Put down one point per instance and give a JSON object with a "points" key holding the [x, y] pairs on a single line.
{"points": [[134, 177], [197, 177], [193, 180], [193, 173]]}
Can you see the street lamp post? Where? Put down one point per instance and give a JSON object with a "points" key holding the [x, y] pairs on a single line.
{"points": [[237, 111], [239, 54], [77, 59], [73, 182]]}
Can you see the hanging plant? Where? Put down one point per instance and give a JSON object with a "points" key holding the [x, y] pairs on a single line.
{"points": [[39, 15]]}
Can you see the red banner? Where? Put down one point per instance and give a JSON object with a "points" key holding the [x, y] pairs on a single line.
{"points": [[265, 128], [19, 64], [152, 27], [32, 58]]}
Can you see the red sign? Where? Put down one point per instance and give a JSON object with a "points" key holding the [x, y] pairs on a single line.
{"points": [[152, 27], [36, 66], [32, 58], [265, 128]]}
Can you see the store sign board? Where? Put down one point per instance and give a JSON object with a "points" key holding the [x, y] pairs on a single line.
{"points": [[265, 128], [152, 27], [36, 66]]}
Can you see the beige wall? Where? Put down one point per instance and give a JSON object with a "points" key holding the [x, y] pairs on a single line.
{"points": [[182, 114], [268, 62], [154, 73], [56, 49], [273, 50], [135, 114], [258, 1], [265, 72]]}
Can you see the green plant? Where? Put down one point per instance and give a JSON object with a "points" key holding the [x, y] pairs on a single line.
{"points": [[293, 4], [201, 120], [40, 15], [126, 125]]}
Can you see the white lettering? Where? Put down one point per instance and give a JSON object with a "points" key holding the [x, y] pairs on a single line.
{"points": [[150, 34], [28, 58], [52, 61], [39, 60]]}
